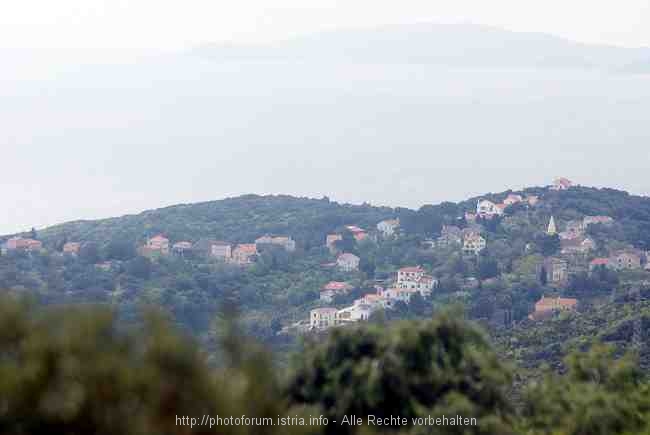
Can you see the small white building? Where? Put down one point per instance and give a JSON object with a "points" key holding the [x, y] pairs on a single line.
{"points": [[348, 262], [388, 227], [222, 251], [488, 209], [354, 313]]}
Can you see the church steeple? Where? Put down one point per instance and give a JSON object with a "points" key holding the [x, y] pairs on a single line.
{"points": [[552, 229]]}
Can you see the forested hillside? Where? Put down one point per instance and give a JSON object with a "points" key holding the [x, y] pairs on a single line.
{"points": [[497, 285]]}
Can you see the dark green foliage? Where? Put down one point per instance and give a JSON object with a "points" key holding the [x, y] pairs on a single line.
{"points": [[120, 249], [77, 371], [413, 369], [549, 244], [549, 342], [139, 267], [74, 372], [598, 396], [487, 267]]}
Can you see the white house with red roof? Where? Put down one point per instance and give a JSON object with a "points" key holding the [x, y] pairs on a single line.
{"points": [[244, 254], [598, 262]]}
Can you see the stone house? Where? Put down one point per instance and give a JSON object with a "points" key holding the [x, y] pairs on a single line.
{"points": [[547, 306], [557, 270], [285, 242]]}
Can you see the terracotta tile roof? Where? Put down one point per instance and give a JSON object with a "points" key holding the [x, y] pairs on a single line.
{"points": [[600, 262], [549, 303], [411, 269], [248, 248], [337, 286]]}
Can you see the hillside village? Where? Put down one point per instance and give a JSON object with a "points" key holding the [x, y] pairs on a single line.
{"points": [[568, 250]]}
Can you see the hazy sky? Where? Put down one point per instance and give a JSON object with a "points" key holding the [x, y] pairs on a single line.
{"points": [[165, 24], [83, 141]]}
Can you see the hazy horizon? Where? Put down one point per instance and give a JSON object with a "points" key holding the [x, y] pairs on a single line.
{"points": [[87, 139]]}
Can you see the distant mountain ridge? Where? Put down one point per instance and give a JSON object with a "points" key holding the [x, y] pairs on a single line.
{"points": [[452, 45]]}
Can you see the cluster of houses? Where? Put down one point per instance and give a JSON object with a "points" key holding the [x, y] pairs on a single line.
{"points": [[159, 245], [410, 280], [575, 246], [487, 209], [22, 243], [348, 262], [239, 254], [469, 239]]}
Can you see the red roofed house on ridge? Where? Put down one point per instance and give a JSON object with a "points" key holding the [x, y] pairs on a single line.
{"points": [[561, 184]]}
